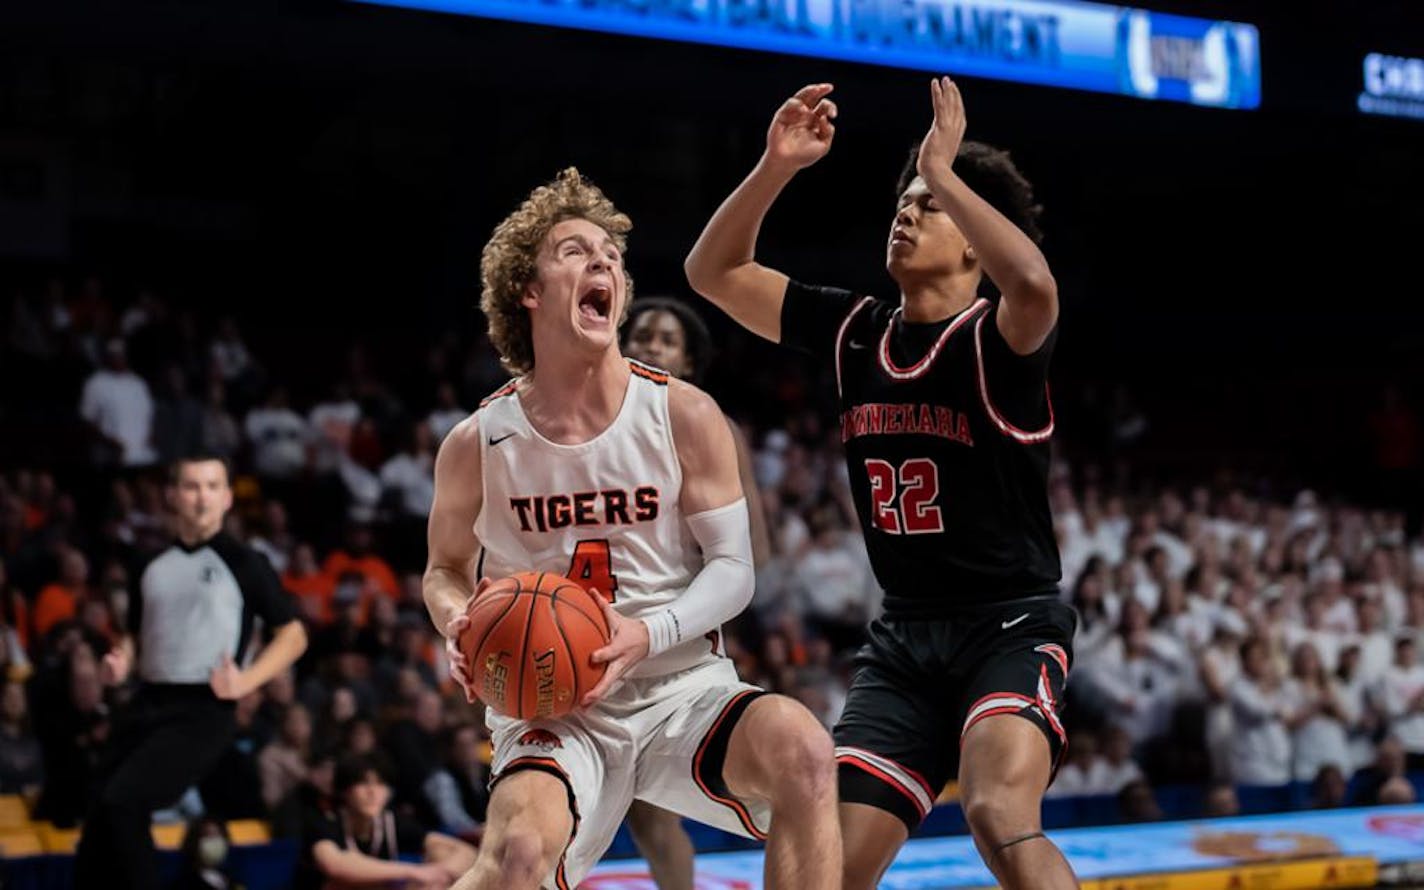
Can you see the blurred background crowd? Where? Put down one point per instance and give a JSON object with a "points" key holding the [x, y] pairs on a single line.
{"points": [[1229, 627]]}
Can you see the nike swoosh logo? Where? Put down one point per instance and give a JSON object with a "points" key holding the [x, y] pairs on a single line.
{"points": [[493, 441], [855, 345], [1008, 624]]}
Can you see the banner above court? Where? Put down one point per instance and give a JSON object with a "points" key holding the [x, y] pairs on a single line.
{"points": [[1059, 43]]}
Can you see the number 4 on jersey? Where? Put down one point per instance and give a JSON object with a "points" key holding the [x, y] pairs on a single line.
{"points": [[592, 566], [902, 502]]}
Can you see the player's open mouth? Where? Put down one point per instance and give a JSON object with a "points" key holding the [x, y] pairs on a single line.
{"points": [[597, 303], [899, 236]]}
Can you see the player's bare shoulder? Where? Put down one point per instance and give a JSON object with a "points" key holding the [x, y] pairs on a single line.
{"points": [[460, 451], [694, 415]]}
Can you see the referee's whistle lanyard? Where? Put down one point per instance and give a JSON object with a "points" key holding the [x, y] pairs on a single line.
{"points": [[383, 832]]}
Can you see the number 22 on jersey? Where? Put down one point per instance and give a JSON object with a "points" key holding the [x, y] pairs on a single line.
{"points": [[592, 566], [902, 499]]}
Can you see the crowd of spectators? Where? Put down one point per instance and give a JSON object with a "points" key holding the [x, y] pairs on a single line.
{"points": [[1251, 639]]}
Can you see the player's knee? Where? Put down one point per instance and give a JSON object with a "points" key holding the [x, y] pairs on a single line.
{"points": [[803, 759], [995, 813], [523, 858]]}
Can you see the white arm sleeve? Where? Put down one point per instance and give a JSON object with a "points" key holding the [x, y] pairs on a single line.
{"points": [[720, 591]]}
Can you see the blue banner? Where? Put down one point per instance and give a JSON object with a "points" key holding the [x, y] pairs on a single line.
{"points": [[1061, 43]]}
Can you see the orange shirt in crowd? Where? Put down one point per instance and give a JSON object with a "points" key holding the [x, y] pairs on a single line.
{"points": [[56, 603], [375, 570], [316, 587]]}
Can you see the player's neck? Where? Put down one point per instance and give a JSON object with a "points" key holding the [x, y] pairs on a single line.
{"points": [[570, 402], [193, 535], [937, 299]]}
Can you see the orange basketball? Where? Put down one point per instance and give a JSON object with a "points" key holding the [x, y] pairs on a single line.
{"points": [[529, 642]]}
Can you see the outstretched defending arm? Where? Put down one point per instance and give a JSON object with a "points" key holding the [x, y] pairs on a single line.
{"points": [[1029, 308], [722, 266]]}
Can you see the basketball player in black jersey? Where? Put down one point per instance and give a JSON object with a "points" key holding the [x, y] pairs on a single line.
{"points": [[945, 420]]}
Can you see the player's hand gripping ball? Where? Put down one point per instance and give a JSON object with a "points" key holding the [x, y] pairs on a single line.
{"points": [[528, 644]]}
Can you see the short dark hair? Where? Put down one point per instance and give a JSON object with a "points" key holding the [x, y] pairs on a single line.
{"points": [[352, 770], [696, 336], [991, 173], [175, 468]]}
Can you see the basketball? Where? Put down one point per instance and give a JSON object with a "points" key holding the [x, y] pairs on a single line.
{"points": [[529, 642]]}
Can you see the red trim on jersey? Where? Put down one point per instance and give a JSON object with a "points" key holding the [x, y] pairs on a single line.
{"points": [[1008, 703], [648, 372], [500, 393], [920, 367], [1008, 429], [862, 764], [736, 806], [840, 335]]}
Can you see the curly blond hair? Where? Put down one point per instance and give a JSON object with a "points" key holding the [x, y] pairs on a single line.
{"points": [[507, 265]]}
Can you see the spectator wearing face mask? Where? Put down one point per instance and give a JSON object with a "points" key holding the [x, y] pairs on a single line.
{"points": [[204, 854]]}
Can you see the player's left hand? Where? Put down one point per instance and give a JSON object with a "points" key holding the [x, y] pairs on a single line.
{"points": [[627, 645], [941, 143], [228, 681]]}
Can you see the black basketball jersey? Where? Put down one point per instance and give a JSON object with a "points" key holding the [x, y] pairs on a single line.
{"points": [[946, 434]]}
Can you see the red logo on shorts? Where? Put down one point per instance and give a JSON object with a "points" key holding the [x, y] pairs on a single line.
{"points": [[541, 739]]}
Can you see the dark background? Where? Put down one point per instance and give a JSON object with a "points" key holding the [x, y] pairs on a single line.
{"points": [[1249, 279]]}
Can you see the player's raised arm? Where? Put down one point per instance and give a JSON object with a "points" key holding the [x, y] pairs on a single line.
{"points": [[722, 265], [1029, 308], [449, 580]]}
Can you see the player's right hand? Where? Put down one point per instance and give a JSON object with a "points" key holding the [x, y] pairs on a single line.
{"points": [[802, 130], [461, 671]]}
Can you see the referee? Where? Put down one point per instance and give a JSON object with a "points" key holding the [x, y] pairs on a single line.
{"points": [[189, 624]]}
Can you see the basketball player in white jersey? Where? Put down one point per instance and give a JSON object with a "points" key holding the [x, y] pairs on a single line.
{"points": [[593, 466]]}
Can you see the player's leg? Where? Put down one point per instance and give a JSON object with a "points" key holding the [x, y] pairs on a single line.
{"points": [[664, 843], [894, 743], [527, 828], [1011, 741], [180, 742], [559, 792], [1004, 769], [779, 753]]}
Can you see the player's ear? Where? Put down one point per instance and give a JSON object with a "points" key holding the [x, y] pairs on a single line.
{"points": [[531, 295]]}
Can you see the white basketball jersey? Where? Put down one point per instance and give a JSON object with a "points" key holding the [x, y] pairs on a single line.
{"points": [[604, 512]]}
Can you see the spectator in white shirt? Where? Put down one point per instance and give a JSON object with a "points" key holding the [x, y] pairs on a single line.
{"points": [[1376, 647], [1261, 749], [1319, 719], [1137, 673], [834, 579], [1326, 641], [231, 358], [1098, 610], [1402, 697], [446, 413], [1084, 771], [410, 474], [1121, 770], [279, 437], [221, 436], [1218, 666], [117, 404], [332, 422]]}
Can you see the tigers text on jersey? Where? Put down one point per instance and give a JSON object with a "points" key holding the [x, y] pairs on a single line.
{"points": [[604, 513], [951, 494]]}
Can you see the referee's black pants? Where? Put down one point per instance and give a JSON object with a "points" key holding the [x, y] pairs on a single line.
{"points": [[163, 743]]}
